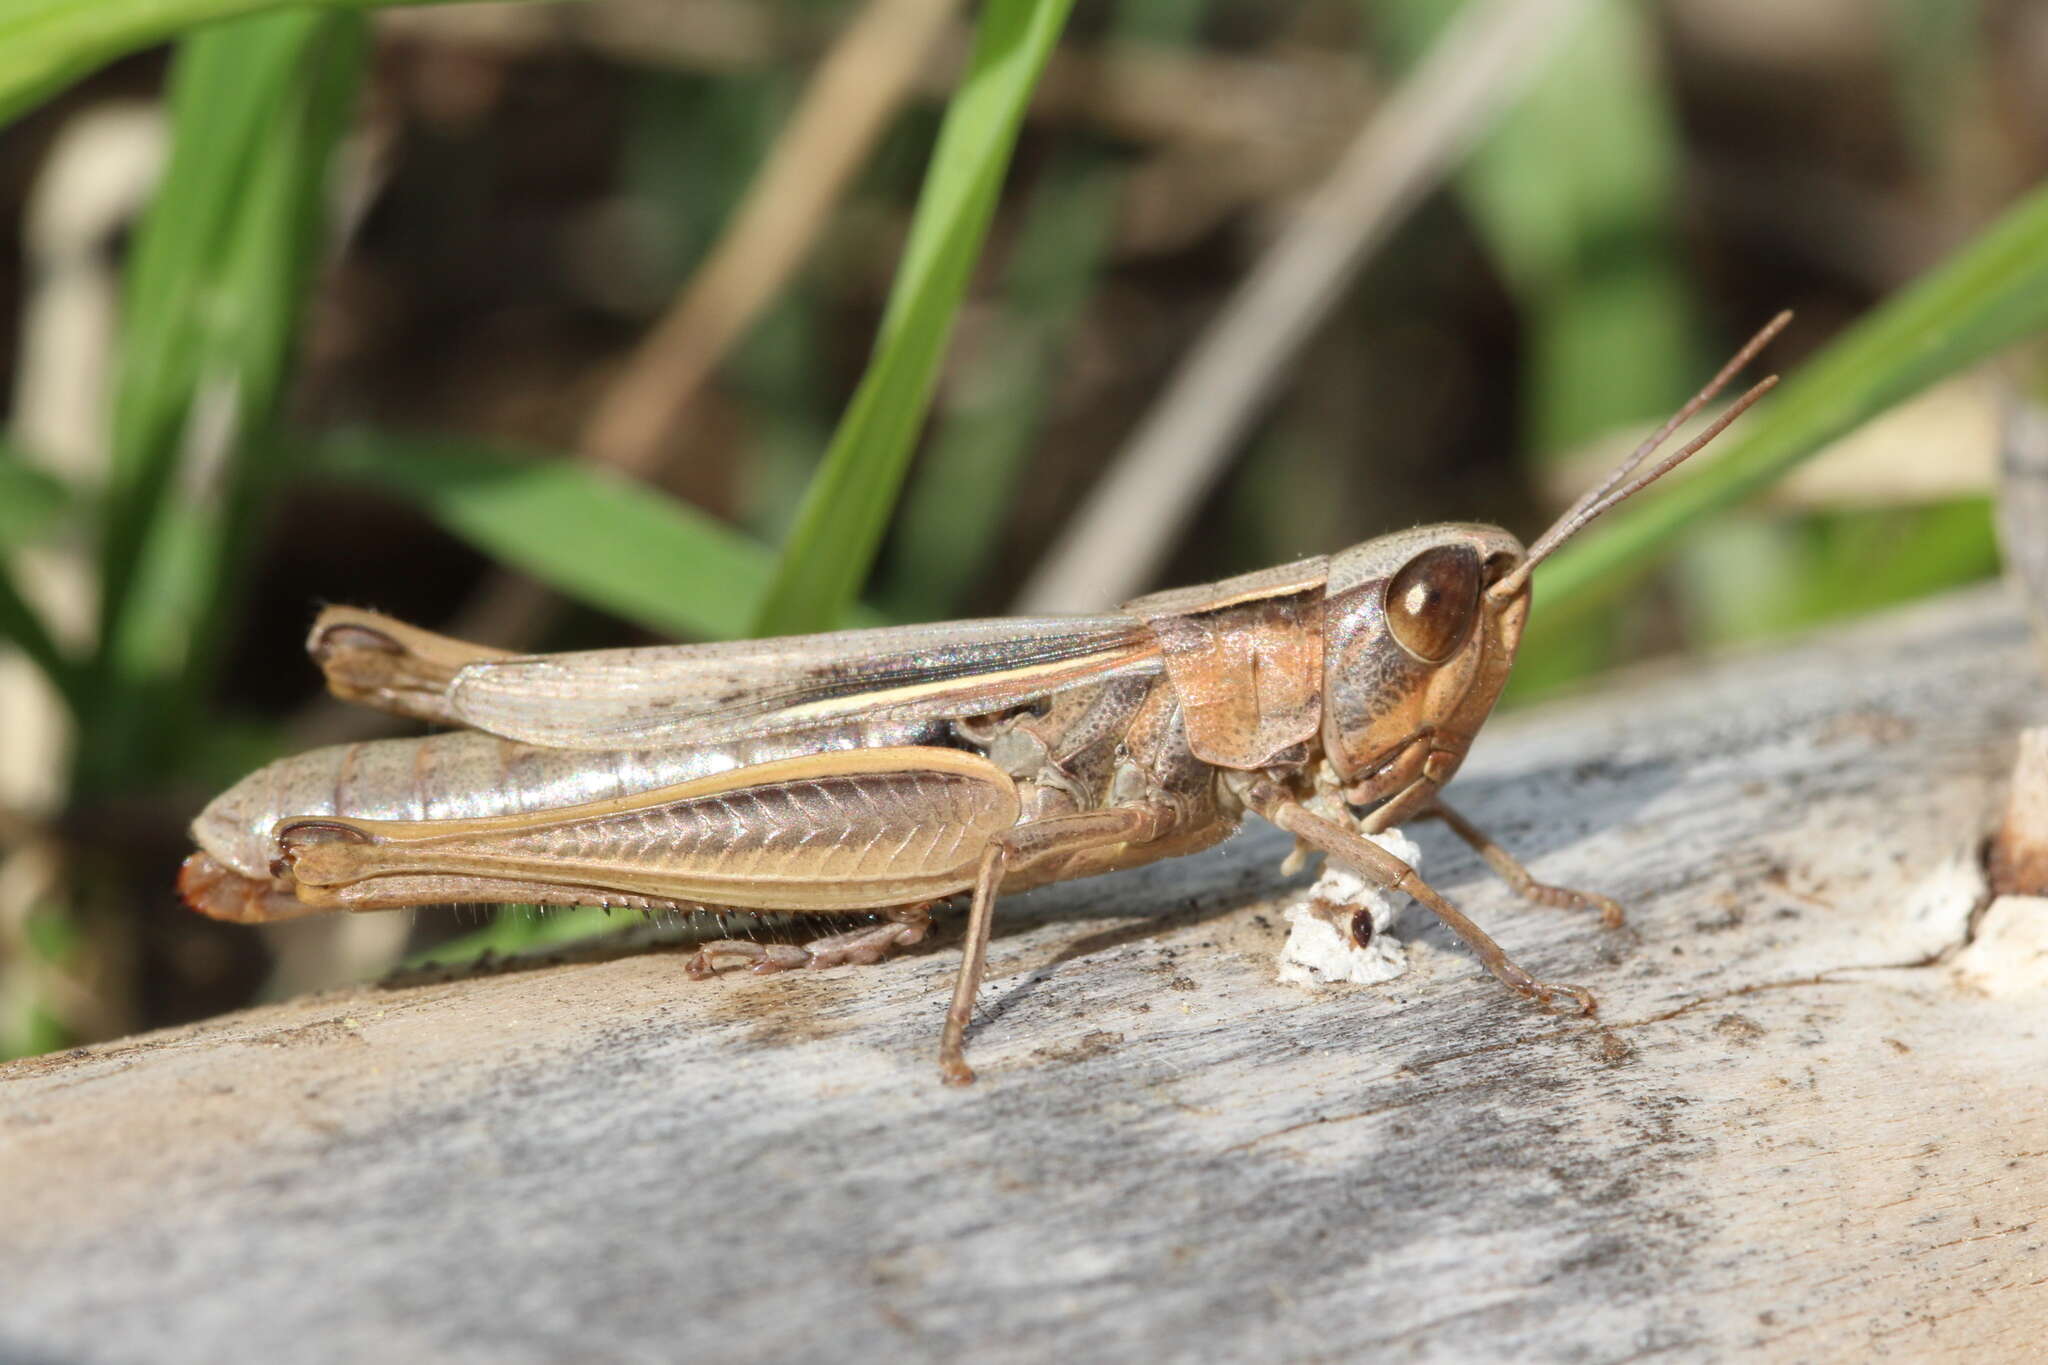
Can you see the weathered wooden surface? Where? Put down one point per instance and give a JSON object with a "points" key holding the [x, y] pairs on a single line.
{"points": [[1811, 1122]]}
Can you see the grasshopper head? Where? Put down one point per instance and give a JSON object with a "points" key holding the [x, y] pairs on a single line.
{"points": [[1417, 645], [1420, 628]]}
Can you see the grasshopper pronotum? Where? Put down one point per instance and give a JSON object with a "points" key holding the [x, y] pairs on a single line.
{"points": [[882, 771]]}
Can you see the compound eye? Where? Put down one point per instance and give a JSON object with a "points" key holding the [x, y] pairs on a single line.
{"points": [[1433, 601]]}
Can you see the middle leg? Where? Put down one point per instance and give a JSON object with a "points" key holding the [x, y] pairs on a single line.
{"points": [[1510, 870], [1062, 834]]}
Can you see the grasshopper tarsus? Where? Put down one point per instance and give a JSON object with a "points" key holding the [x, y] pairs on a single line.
{"points": [[858, 947], [1519, 879], [877, 772], [1547, 993], [1612, 916]]}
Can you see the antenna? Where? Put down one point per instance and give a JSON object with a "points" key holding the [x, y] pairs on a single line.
{"points": [[1617, 487]]}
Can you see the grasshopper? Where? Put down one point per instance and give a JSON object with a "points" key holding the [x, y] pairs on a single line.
{"points": [[878, 773]]}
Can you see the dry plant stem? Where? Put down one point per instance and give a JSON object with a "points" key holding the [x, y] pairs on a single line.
{"points": [[857, 90], [1115, 544], [1135, 92]]}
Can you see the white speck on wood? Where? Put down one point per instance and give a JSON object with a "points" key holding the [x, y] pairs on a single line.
{"points": [[1319, 950], [2008, 953], [1807, 1123]]}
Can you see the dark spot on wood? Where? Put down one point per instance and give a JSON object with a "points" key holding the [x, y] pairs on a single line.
{"points": [[1609, 1048], [1092, 1044], [1361, 928], [1739, 1029], [781, 1009], [1874, 725], [315, 1034], [1732, 915]]}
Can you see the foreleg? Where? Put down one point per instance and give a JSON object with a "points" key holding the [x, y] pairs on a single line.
{"points": [[1371, 861]]}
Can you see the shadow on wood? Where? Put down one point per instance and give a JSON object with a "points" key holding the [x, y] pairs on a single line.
{"points": [[1808, 1121]]}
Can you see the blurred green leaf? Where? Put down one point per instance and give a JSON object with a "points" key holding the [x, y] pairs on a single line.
{"points": [[1753, 576], [603, 539], [1574, 193], [218, 281], [993, 415], [1938, 50], [47, 44], [30, 1029], [34, 503], [522, 928], [1992, 293], [214, 293], [828, 554], [990, 417], [23, 626]]}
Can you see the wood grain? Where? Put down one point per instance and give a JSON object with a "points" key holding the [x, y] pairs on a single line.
{"points": [[1810, 1122]]}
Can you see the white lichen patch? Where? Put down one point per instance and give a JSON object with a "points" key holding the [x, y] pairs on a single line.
{"points": [[2009, 954], [1320, 948]]}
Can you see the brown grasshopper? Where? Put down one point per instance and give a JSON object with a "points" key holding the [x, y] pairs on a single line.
{"points": [[880, 772]]}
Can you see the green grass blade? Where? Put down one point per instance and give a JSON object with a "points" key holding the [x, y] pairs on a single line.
{"points": [[516, 929], [1755, 576], [214, 294], [847, 508], [1992, 293], [601, 538], [218, 280], [47, 44], [991, 419], [34, 503], [961, 497], [22, 626], [270, 263]]}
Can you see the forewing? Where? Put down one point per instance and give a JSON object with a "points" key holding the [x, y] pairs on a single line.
{"points": [[695, 694]]}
